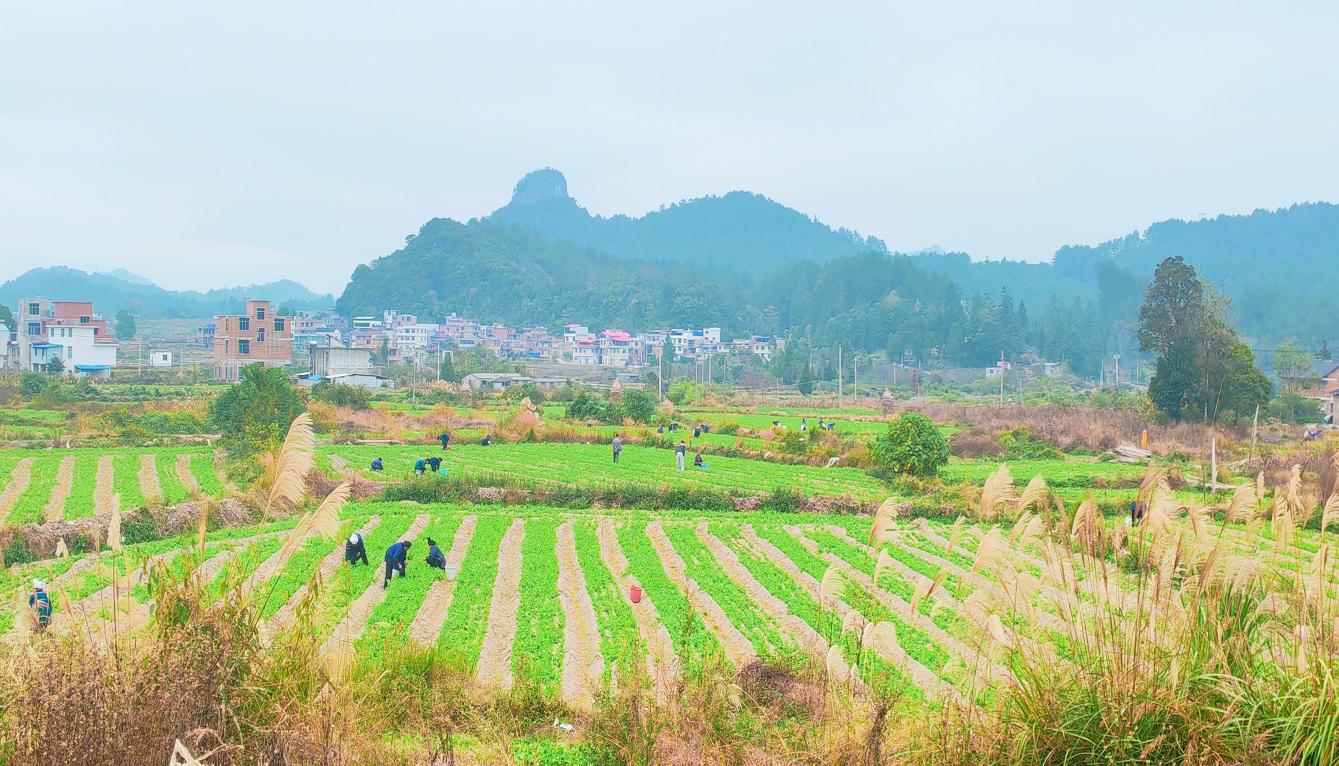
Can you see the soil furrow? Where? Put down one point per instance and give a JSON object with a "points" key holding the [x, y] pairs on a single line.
{"points": [[148, 478], [184, 474], [800, 631], [661, 660], [104, 485], [583, 665], [494, 666], [737, 648], [431, 615], [55, 505], [19, 479]]}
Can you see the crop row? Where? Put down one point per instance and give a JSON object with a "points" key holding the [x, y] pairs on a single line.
{"points": [[537, 650], [467, 620]]}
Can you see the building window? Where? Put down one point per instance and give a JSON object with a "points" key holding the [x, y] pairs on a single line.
{"points": [[260, 334], [34, 309], [34, 328], [95, 332], [244, 347], [83, 319], [260, 312], [244, 323], [278, 324]]}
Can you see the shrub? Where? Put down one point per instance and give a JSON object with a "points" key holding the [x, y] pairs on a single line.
{"points": [[912, 445], [638, 406], [783, 500], [340, 395]]}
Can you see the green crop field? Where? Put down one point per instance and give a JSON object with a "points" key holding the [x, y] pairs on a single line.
{"points": [[593, 463]]}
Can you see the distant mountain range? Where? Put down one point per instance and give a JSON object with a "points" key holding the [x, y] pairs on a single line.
{"points": [[117, 289]]}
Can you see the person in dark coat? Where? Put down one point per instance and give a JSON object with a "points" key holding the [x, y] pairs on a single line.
{"points": [[377, 465], [445, 439], [397, 556], [487, 440], [420, 466], [436, 559], [40, 603], [355, 550], [435, 463]]}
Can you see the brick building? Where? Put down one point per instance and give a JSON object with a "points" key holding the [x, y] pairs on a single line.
{"points": [[256, 337]]}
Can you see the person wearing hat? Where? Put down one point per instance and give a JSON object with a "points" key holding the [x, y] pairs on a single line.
{"points": [[436, 559], [40, 603], [397, 556], [355, 550]]}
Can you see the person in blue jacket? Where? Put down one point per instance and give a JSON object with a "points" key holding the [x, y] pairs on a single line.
{"points": [[40, 603], [396, 557], [436, 559]]}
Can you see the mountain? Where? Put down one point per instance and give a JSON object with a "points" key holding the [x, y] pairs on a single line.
{"points": [[516, 276], [125, 275], [739, 231], [110, 293]]}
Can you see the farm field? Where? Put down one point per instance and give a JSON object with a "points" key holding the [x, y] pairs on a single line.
{"points": [[586, 463], [68, 484], [542, 594]]}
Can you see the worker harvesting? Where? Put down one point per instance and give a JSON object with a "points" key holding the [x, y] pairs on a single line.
{"points": [[355, 550], [436, 559], [40, 603], [618, 447], [397, 556]]}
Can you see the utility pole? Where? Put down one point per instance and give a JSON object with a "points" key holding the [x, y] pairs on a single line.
{"points": [[1116, 357], [839, 376], [660, 377], [1001, 378], [856, 375]]}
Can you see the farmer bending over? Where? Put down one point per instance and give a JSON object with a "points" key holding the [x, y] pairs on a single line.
{"points": [[436, 559], [396, 557], [355, 550]]}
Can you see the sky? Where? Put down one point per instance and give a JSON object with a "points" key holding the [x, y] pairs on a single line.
{"points": [[215, 144]]}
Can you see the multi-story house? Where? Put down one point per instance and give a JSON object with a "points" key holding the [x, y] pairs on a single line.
{"points": [[66, 331], [255, 337]]}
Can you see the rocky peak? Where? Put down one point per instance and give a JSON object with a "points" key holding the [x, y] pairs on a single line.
{"points": [[540, 186]]}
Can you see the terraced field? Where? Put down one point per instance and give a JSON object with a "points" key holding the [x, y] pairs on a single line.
{"points": [[51, 485]]}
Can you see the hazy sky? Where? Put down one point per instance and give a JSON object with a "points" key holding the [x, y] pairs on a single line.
{"points": [[243, 142]]}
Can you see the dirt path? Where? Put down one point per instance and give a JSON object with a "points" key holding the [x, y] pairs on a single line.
{"points": [[427, 625], [737, 648], [103, 487], [18, 484], [216, 459], [798, 630], [494, 666], [661, 660], [340, 465], [583, 665], [55, 506], [354, 624], [184, 474], [924, 677], [327, 567], [148, 478]]}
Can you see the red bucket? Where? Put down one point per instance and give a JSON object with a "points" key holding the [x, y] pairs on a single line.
{"points": [[635, 593]]}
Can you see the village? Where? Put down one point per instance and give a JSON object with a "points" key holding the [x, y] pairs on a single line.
{"points": [[70, 338]]}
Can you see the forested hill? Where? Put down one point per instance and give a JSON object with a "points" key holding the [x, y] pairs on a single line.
{"points": [[1276, 266], [512, 275], [111, 292], [739, 231]]}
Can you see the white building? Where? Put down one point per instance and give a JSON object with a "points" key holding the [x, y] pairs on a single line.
{"points": [[80, 351], [160, 357]]}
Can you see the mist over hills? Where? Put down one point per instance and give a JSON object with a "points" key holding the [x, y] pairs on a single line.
{"points": [[112, 291]]}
